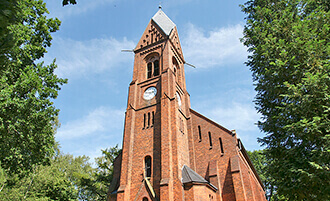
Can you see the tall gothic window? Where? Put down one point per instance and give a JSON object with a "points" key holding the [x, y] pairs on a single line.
{"points": [[210, 140], [153, 118], [149, 70], [221, 146], [199, 133], [153, 69], [144, 120], [148, 119], [147, 166], [176, 69], [156, 68]]}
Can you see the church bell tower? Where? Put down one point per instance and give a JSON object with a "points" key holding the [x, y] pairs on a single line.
{"points": [[171, 152], [155, 144]]}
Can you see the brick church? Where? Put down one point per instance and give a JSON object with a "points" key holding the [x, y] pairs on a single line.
{"points": [[170, 151]]}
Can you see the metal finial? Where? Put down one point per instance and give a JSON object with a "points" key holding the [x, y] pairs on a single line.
{"points": [[160, 5]]}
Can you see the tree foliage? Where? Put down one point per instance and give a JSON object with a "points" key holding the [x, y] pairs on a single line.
{"points": [[261, 164], [66, 178], [66, 2], [96, 187], [57, 181], [27, 86], [289, 60], [7, 16]]}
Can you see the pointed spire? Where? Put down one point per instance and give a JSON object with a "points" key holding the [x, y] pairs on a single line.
{"points": [[164, 22]]}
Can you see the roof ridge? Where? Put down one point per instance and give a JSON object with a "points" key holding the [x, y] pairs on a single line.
{"points": [[184, 168], [192, 176], [164, 22], [211, 121]]}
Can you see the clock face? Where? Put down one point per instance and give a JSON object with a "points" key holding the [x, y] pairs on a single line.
{"points": [[150, 93], [178, 98]]}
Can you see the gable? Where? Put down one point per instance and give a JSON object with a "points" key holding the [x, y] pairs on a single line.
{"points": [[160, 27], [152, 34]]}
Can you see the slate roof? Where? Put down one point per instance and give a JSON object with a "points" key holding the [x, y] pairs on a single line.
{"points": [[164, 22], [189, 175]]}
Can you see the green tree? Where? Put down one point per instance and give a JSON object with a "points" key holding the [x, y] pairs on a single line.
{"points": [[58, 181], [96, 187], [7, 16], [261, 163], [65, 178], [289, 45], [27, 86], [66, 2]]}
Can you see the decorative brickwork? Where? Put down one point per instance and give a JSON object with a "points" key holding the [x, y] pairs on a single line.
{"points": [[171, 152]]}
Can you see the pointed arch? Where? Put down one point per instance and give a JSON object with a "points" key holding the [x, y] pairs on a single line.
{"points": [[147, 166], [156, 67], [153, 65], [176, 69]]}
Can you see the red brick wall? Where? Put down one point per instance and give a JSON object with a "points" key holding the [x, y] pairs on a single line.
{"points": [[232, 172], [199, 192], [204, 153]]}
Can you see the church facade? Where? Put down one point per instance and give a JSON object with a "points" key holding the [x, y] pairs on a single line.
{"points": [[171, 152]]}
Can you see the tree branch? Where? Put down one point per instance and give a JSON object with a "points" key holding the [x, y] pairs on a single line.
{"points": [[29, 184], [3, 185]]}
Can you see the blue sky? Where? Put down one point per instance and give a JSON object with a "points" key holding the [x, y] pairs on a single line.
{"points": [[88, 48]]}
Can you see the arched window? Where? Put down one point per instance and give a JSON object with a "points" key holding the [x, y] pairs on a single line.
{"points": [[145, 199], [199, 133], [144, 120], [176, 69], [153, 118], [210, 139], [156, 68], [149, 70], [147, 166], [153, 65], [221, 146], [148, 119]]}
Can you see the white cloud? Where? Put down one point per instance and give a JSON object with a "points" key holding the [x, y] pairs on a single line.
{"points": [[238, 116], [102, 119], [218, 47], [76, 58], [234, 110], [92, 152]]}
